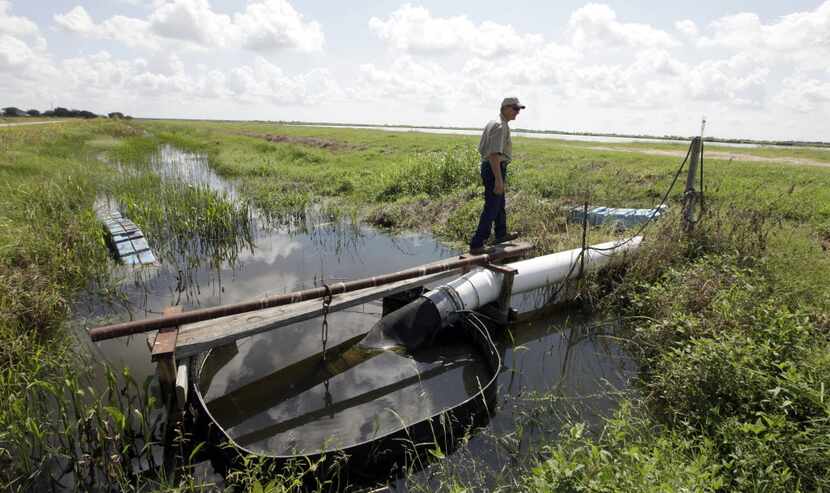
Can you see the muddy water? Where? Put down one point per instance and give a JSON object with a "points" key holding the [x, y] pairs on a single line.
{"points": [[269, 403]]}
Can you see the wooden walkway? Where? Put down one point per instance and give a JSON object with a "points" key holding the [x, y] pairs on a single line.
{"points": [[198, 337], [201, 336]]}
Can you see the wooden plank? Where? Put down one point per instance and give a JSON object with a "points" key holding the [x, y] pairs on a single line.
{"points": [[510, 248], [199, 337]]}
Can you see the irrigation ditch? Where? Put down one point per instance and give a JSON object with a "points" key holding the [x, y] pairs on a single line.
{"points": [[723, 317], [567, 364]]}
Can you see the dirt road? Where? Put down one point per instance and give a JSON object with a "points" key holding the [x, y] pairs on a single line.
{"points": [[29, 123], [737, 156]]}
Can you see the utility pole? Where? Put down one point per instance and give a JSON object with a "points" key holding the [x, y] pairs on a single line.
{"points": [[691, 195]]}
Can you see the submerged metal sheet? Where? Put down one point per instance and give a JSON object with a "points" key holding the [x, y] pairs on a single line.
{"points": [[127, 241], [383, 394]]}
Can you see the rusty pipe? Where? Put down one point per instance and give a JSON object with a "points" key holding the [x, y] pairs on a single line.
{"points": [[138, 326]]}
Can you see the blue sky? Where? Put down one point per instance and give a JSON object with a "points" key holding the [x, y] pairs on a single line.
{"points": [[754, 69]]}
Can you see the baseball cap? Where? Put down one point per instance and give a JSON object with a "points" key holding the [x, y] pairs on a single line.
{"points": [[512, 102]]}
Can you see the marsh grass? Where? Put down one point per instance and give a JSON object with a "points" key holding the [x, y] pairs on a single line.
{"points": [[723, 298], [62, 426]]}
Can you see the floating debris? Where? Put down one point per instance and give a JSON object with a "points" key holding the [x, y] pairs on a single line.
{"points": [[621, 218], [126, 240]]}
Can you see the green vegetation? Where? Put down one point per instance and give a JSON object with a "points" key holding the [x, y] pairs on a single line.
{"points": [[729, 324], [64, 418]]}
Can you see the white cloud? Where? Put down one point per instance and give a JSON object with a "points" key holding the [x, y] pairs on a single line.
{"points": [[596, 26], [133, 32], [15, 26], [22, 48], [275, 24], [422, 84], [549, 64], [802, 37], [687, 27], [265, 25], [739, 80], [413, 29], [76, 20], [652, 80], [265, 81], [804, 95], [102, 82], [191, 20], [14, 53]]}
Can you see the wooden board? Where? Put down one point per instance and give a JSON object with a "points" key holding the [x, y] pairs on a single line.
{"points": [[201, 336]]}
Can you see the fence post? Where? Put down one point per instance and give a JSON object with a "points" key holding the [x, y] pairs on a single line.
{"points": [[690, 195]]}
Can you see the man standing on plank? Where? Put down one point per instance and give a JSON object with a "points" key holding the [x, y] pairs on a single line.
{"points": [[496, 149]]}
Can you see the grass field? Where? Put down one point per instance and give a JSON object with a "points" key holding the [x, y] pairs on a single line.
{"points": [[729, 323]]}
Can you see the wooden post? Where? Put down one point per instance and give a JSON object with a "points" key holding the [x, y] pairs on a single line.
{"points": [[690, 195], [164, 355]]}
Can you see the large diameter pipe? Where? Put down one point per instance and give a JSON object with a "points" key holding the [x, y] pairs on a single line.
{"points": [[172, 320], [479, 287]]}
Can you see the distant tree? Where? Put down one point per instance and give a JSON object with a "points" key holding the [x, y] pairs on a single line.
{"points": [[33, 113], [87, 114], [12, 111], [116, 114], [62, 112], [48, 113]]}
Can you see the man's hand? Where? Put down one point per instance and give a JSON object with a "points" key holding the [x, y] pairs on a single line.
{"points": [[495, 167]]}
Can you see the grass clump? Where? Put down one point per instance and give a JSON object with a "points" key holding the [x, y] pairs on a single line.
{"points": [[630, 455], [432, 174]]}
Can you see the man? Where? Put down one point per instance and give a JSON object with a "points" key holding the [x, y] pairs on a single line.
{"points": [[496, 149]]}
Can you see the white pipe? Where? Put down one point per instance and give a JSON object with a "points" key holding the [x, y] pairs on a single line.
{"points": [[482, 286]]}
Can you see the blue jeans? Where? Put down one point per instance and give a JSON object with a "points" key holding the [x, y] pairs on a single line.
{"points": [[493, 211]]}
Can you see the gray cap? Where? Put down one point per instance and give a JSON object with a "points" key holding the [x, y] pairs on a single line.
{"points": [[512, 102]]}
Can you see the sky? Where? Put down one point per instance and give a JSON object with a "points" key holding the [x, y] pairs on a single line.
{"points": [[754, 69]]}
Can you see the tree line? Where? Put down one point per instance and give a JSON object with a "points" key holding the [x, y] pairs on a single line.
{"points": [[61, 112]]}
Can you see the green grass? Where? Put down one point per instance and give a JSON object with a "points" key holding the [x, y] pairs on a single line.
{"points": [[56, 416], [729, 324]]}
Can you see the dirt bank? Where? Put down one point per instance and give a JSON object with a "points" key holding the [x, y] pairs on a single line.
{"points": [[329, 144]]}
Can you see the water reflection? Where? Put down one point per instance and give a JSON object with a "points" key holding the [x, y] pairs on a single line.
{"points": [[298, 406], [279, 259]]}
